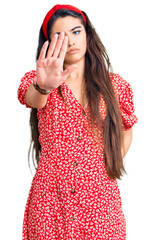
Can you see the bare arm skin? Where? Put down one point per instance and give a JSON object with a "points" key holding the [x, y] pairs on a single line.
{"points": [[34, 98], [127, 139], [49, 70]]}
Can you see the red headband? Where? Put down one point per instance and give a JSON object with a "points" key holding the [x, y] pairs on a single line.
{"points": [[53, 10]]}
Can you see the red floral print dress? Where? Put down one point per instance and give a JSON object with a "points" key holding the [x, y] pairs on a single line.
{"points": [[71, 195]]}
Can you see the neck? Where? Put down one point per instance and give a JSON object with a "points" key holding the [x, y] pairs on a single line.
{"points": [[77, 76], [76, 82]]}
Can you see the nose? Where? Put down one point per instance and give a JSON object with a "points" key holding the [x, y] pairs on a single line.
{"points": [[70, 41]]}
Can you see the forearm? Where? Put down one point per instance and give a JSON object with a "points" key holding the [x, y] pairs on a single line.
{"points": [[127, 139], [34, 98]]}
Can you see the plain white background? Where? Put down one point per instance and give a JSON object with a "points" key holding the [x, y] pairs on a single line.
{"points": [[126, 28]]}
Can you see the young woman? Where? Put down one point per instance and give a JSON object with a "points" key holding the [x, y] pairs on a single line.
{"points": [[81, 123]]}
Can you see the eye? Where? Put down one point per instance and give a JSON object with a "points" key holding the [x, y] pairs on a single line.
{"points": [[76, 32]]}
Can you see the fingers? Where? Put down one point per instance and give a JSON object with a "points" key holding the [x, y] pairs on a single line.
{"points": [[64, 48], [58, 45], [69, 70], [52, 45], [43, 51], [57, 48]]}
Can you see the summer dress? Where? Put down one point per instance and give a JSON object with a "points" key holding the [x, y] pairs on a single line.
{"points": [[71, 195]]}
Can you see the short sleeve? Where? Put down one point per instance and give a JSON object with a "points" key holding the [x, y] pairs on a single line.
{"points": [[26, 81], [125, 96]]}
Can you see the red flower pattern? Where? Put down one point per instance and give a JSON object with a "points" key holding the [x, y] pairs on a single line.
{"points": [[71, 195]]}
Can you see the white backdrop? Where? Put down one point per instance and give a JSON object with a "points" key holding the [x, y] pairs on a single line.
{"points": [[126, 28]]}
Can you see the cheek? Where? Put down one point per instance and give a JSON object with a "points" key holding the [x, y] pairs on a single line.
{"points": [[84, 42], [85, 45]]}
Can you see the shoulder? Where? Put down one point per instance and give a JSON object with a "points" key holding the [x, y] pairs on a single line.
{"points": [[121, 85], [124, 94], [31, 73], [28, 78], [118, 81]]}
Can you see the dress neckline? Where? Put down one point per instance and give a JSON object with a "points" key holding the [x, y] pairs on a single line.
{"points": [[71, 93]]}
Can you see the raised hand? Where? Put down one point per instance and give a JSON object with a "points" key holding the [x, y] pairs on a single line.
{"points": [[49, 70]]}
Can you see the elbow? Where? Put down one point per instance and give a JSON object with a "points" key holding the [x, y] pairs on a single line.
{"points": [[127, 140]]}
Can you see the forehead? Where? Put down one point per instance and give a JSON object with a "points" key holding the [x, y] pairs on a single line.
{"points": [[66, 24]]}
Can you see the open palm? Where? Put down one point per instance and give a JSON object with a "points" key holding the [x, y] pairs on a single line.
{"points": [[49, 70]]}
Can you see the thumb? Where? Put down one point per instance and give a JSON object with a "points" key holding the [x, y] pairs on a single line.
{"points": [[69, 70]]}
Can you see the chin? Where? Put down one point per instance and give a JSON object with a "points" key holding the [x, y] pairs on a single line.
{"points": [[73, 59]]}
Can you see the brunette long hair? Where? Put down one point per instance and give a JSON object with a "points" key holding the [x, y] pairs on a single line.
{"points": [[98, 82]]}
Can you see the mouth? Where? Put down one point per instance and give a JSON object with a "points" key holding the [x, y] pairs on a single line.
{"points": [[72, 51]]}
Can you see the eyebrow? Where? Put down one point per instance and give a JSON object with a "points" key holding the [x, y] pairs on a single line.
{"points": [[75, 28]]}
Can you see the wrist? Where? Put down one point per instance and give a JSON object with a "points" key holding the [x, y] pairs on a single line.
{"points": [[40, 90]]}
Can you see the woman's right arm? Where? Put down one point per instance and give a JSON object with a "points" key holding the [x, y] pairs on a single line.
{"points": [[49, 70], [34, 98]]}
